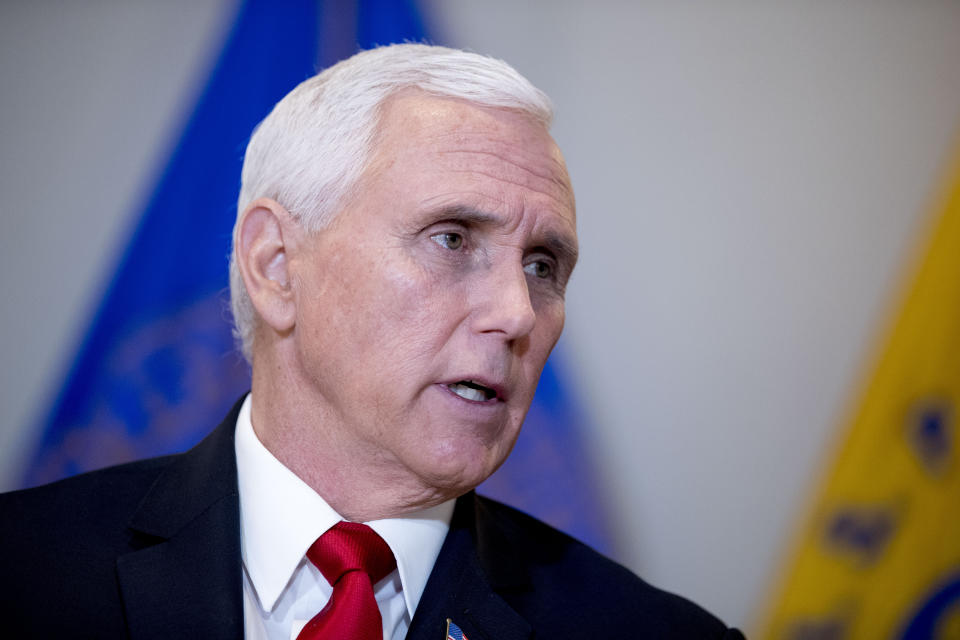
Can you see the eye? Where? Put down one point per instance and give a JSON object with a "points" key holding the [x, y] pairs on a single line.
{"points": [[448, 240], [539, 269]]}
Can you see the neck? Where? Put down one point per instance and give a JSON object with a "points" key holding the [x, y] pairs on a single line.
{"points": [[358, 480]]}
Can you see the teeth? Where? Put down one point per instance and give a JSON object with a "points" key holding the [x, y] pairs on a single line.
{"points": [[468, 393]]}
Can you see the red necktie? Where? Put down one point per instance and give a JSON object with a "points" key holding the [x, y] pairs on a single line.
{"points": [[353, 558]]}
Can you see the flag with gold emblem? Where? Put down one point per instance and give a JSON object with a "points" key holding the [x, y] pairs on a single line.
{"points": [[879, 556]]}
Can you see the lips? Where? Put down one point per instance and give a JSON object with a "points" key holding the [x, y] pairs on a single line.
{"points": [[473, 390]]}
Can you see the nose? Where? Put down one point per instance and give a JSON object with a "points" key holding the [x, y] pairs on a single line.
{"points": [[503, 304]]}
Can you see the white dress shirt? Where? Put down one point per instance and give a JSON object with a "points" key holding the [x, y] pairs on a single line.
{"points": [[280, 517]]}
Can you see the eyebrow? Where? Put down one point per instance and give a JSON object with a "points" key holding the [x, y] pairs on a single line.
{"points": [[468, 215], [561, 247], [559, 244]]}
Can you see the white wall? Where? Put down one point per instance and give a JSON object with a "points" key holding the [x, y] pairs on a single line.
{"points": [[750, 179]]}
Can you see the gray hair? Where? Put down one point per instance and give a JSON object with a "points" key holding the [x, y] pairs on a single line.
{"points": [[309, 152]]}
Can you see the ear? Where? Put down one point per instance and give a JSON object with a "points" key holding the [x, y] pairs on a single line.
{"points": [[263, 245]]}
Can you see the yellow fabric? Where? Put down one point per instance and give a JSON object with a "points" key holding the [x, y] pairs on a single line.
{"points": [[883, 536]]}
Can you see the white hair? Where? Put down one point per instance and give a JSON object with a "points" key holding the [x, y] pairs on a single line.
{"points": [[309, 152]]}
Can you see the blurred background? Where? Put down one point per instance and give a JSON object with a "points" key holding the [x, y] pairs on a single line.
{"points": [[755, 183]]}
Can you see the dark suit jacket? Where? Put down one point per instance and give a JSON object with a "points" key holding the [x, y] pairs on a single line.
{"points": [[151, 549]]}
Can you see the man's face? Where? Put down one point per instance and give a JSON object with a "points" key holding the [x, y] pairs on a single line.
{"points": [[427, 309]]}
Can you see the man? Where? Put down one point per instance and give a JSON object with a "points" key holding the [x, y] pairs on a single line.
{"points": [[405, 234]]}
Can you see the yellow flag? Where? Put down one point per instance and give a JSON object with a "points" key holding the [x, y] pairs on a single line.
{"points": [[879, 557]]}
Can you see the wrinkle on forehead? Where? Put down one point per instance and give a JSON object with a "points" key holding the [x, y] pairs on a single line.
{"points": [[561, 198], [555, 173]]}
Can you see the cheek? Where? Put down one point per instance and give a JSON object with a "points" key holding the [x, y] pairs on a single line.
{"points": [[550, 319], [546, 332], [403, 301], [399, 312]]}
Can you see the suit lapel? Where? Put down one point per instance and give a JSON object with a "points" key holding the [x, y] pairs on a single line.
{"points": [[184, 575], [184, 578], [469, 572]]}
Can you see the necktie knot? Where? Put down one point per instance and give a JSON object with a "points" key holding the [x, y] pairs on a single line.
{"points": [[351, 546], [353, 558]]}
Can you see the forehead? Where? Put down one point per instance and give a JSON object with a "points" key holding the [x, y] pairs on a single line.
{"points": [[448, 149]]}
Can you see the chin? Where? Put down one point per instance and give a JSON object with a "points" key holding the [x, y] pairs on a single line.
{"points": [[455, 473]]}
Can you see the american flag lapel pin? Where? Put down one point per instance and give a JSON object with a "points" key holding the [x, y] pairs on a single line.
{"points": [[453, 632]]}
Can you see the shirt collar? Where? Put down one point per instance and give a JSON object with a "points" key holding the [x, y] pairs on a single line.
{"points": [[281, 516], [415, 540]]}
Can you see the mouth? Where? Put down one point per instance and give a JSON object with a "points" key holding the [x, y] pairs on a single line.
{"points": [[473, 391]]}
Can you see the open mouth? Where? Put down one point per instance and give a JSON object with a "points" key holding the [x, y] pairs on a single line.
{"points": [[473, 391]]}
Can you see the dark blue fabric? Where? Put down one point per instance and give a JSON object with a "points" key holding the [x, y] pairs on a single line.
{"points": [[158, 366], [154, 552]]}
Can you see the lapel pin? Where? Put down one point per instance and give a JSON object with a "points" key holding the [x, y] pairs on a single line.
{"points": [[454, 632]]}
